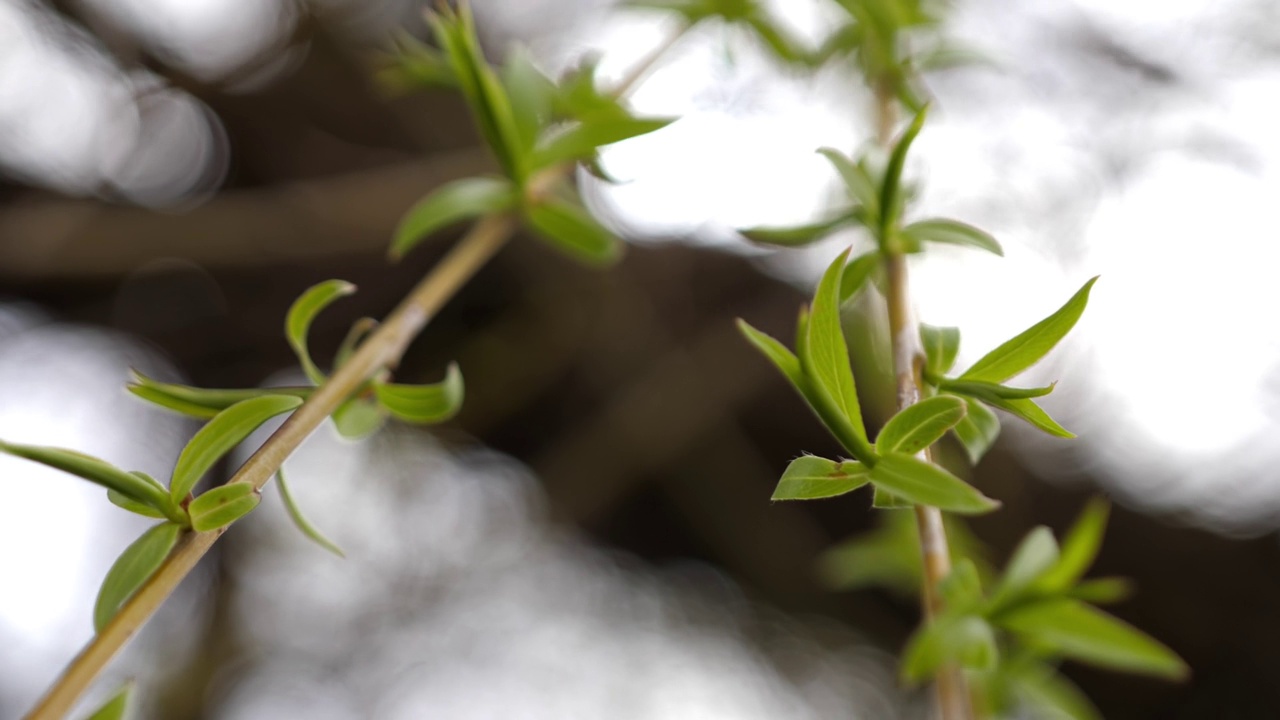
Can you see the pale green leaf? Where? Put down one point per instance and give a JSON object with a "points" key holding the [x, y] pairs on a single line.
{"points": [[570, 229], [953, 232], [134, 566], [99, 472], [580, 140], [918, 426], [991, 392], [798, 235], [856, 274], [423, 404], [358, 417], [1029, 346], [924, 483], [977, 430], [1089, 635], [359, 329], [1034, 556], [117, 706], [295, 514], [1031, 412], [1079, 547], [1101, 591], [965, 640], [891, 191], [303, 311], [810, 478], [201, 402], [220, 435], [941, 344], [531, 94], [221, 506], [450, 204]]}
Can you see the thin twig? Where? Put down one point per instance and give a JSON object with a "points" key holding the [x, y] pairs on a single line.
{"points": [[952, 688]]}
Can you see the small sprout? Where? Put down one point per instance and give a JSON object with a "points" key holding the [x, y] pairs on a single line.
{"points": [[1029, 346], [423, 404]]}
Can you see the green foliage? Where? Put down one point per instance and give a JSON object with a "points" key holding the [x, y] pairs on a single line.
{"points": [[452, 203], [423, 404], [304, 525], [201, 402], [142, 490], [923, 483], [921, 425], [1032, 344], [222, 506], [220, 435], [135, 565], [117, 707], [952, 232], [810, 478]]}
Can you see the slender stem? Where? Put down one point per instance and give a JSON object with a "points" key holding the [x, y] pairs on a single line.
{"points": [[952, 689], [382, 349]]}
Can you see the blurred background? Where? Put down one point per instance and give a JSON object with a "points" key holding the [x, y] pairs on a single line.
{"points": [[592, 537]]}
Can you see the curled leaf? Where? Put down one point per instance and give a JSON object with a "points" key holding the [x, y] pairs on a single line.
{"points": [[580, 140], [117, 706], [924, 483], [295, 514], [452, 203], [201, 402], [298, 322], [1032, 344], [423, 404]]}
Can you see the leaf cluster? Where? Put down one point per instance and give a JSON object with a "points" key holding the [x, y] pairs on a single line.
{"points": [[535, 127]]}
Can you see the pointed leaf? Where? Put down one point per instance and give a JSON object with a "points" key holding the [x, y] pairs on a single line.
{"points": [[824, 356], [201, 402], [856, 274], [891, 191], [450, 204], [965, 640], [961, 590], [222, 506], [298, 322], [133, 506], [295, 514], [117, 706], [1091, 636], [924, 483], [1032, 413], [134, 566], [990, 392], [570, 229], [777, 353], [220, 435], [882, 499], [941, 344], [580, 140], [918, 426], [1102, 591], [810, 478], [953, 232], [98, 472], [423, 404], [1035, 556], [1079, 548], [797, 236], [1032, 344], [358, 417], [977, 430], [531, 94], [859, 184]]}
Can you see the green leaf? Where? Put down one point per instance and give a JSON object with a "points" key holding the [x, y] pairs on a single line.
{"points": [[415, 64], [298, 322], [1028, 347], [797, 236], [117, 706], [966, 640], [977, 430], [961, 590], [1079, 548], [452, 203], [777, 353], [220, 435], [941, 344], [857, 181], [882, 499], [1091, 636], [1101, 591], [134, 566], [580, 140], [295, 514], [824, 356], [201, 402], [810, 478], [423, 404], [991, 392], [891, 190], [918, 426], [139, 488], [358, 417], [223, 505], [1032, 413], [133, 506], [924, 483], [1035, 556], [531, 94], [570, 229], [953, 232], [856, 274], [350, 343]]}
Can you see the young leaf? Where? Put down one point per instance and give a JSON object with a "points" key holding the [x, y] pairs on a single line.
{"points": [[220, 435], [1101, 591], [965, 639], [1091, 636], [797, 236], [358, 417], [1079, 548], [301, 521], [777, 353], [991, 392], [452, 203], [423, 404], [1028, 347], [1032, 413], [825, 359], [953, 232], [941, 344], [531, 94], [1045, 689], [891, 190], [918, 426], [580, 140], [858, 183], [137, 563], [882, 499], [99, 472], [810, 478], [856, 274], [924, 483], [350, 343], [962, 588], [133, 506], [977, 430], [298, 322], [201, 402], [117, 706], [570, 229], [1035, 556], [222, 506]]}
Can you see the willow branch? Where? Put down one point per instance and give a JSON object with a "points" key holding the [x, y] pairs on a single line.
{"points": [[952, 689]]}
